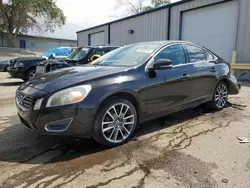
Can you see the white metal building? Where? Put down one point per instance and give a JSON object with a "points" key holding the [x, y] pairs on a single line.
{"points": [[220, 25], [36, 43]]}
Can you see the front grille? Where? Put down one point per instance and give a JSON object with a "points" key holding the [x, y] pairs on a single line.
{"points": [[25, 102]]}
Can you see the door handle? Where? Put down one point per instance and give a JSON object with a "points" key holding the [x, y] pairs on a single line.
{"points": [[213, 69], [184, 77]]}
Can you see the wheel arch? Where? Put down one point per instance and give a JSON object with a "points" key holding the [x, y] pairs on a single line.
{"points": [[29, 68], [124, 95], [223, 79], [27, 71]]}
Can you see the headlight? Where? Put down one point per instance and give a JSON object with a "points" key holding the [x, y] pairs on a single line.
{"points": [[69, 96], [18, 64]]}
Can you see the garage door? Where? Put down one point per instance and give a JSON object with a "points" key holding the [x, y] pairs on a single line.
{"points": [[213, 27], [97, 38]]}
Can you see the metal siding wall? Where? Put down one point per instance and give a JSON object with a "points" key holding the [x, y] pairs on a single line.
{"points": [[82, 39], [148, 27], [243, 37], [176, 12], [42, 43], [83, 36], [97, 38]]}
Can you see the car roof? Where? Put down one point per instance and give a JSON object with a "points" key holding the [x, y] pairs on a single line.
{"points": [[102, 46], [165, 42], [159, 43], [69, 47]]}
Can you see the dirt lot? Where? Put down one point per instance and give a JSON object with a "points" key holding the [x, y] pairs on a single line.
{"points": [[194, 148]]}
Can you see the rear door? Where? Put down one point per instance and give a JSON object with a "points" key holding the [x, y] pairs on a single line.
{"points": [[204, 73]]}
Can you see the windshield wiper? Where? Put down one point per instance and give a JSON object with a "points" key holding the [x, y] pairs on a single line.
{"points": [[71, 60]]}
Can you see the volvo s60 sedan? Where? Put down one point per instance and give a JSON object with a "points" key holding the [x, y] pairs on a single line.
{"points": [[130, 85]]}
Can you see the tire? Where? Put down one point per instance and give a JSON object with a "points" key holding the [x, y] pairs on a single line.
{"points": [[120, 128], [6, 68], [30, 72], [220, 96]]}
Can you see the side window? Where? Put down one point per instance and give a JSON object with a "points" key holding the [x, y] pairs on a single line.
{"points": [[175, 53], [99, 51], [195, 53], [209, 56]]}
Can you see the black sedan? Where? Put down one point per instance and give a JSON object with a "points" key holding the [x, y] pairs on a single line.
{"points": [[130, 85], [4, 66], [25, 67]]}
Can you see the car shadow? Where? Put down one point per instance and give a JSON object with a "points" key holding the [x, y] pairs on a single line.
{"points": [[12, 83], [19, 145]]}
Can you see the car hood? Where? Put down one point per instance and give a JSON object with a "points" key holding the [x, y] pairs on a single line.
{"points": [[51, 62], [23, 59], [63, 78]]}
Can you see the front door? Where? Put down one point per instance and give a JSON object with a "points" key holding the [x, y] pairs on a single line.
{"points": [[169, 89]]}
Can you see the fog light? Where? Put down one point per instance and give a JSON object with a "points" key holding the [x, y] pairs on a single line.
{"points": [[58, 126]]}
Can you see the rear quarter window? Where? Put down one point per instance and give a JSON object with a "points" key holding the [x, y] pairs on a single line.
{"points": [[209, 56], [195, 53]]}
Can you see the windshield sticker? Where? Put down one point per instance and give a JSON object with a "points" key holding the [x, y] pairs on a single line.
{"points": [[148, 51], [85, 49]]}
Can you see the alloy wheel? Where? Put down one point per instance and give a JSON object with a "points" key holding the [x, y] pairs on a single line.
{"points": [[221, 96], [32, 74], [118, 123]]}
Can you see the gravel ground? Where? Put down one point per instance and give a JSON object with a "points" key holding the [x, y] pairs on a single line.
{"points": [[194, 148]]}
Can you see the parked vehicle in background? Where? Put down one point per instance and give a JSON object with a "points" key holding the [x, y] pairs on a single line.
{"points": [[4, 65], [25, 67], [81, 56], [130, 85]]}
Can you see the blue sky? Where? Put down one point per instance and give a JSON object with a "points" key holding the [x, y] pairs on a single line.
{"points": [[82, 14]]}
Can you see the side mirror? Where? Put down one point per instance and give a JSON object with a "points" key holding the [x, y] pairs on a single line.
{"points": [[162, 64]]}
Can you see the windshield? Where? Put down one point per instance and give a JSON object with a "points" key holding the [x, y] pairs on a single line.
{"points": [[78, 54], [57, 51], [129, 55]]}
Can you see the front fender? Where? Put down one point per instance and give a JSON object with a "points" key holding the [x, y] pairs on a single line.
{"points": [[129, 84]]}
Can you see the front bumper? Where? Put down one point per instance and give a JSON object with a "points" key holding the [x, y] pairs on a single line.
{"points": [[234, 86], [2, 67], [71, 120], [16, 72]]}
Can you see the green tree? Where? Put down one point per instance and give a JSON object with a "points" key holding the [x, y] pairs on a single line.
{"points": [[18, 16], [135, 7], [159, 3]]}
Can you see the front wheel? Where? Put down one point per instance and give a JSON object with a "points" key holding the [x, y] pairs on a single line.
{"points": [[115, 123], [30, 74], [220, 96], [7, 68]]}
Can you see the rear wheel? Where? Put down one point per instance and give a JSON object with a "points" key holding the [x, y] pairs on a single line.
{"points": [[115, 122], [220, 96]]}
